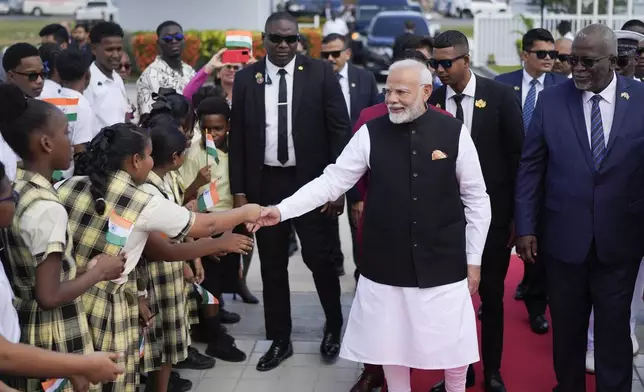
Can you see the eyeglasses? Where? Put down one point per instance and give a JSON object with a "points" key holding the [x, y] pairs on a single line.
{"points": [[126, 66], [334, 53], [232, 67], [13, 198], [564, 58], [32, 76], [277, 39], [168, 38], [585, 62], [542, 54], [445, 63]]}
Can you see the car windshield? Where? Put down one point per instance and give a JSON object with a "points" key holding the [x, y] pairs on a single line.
{"points": [[394, 26]]}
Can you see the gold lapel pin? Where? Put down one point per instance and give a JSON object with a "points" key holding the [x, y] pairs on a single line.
{"points": [[625, 95], [480, 104]]}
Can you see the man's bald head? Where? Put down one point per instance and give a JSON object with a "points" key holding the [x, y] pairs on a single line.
{"points": [[600, 36], [562, 65], [594, 56]]}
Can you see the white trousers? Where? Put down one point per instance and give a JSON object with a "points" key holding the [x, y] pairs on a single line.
{"points": [[399, 378], [635, 306]]}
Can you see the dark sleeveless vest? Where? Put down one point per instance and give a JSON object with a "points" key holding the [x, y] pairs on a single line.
{"points": [[414, 220]]}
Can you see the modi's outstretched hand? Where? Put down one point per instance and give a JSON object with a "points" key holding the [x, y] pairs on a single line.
{"points": [[269, 216]]}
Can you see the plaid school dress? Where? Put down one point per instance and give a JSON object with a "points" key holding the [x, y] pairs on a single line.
{"points": [[173, 180], [166, 283], [65, 328], [112, 309]]}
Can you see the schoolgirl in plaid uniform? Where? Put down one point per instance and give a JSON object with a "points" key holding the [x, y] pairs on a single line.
{"points": [[117, 161], [45, 282]]}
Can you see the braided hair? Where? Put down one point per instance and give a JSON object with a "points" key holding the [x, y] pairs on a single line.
{"points": [[105, 155], [21, 117]]}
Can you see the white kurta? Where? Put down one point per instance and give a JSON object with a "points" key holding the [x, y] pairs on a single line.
{"points": [[433, 328]]}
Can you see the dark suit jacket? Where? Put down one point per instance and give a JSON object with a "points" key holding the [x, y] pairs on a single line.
{"points": [[497, 131], [515, 79], [559, 191], [320, 128], [363, 94]]}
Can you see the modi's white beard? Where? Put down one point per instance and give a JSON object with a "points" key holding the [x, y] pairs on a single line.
{"points": [[409, 114]]}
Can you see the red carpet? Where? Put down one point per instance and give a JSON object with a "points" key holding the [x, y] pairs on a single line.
{"points": [[527, 357]]}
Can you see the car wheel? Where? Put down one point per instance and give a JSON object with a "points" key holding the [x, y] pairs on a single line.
{"points": [[37, 11]]}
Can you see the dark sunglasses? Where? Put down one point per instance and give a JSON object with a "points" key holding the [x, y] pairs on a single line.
{"points": [[232, 67], [13, 198], [564, 58], [277, 39], [334, 53], [32, 76], [445, 63], [585, 62], [168, 38], [542, 54], [126, 66]]}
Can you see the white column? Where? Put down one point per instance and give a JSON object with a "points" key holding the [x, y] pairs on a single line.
{"points": [[629, 9], [609, 11], [576, 26], [596, 11]]}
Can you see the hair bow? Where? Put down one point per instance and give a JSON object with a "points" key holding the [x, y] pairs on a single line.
{"points": [[45, 65]]}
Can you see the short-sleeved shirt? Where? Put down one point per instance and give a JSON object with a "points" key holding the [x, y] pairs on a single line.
{"points": [[9, 325], [160, 74], [50, 89], [196, 158], [9, 159], [107, 97], [43, 226]]}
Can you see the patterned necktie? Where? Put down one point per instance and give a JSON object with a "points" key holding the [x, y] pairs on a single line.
{"points": [[282, 119], [597, 144], [458, 98], [528, 106]]}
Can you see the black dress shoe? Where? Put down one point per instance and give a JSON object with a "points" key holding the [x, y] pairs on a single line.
{"points": [[227, 317], [470, 380], [196, 361], [330, 346], [369, 380], [276, 354], [520, 293], [340, 270], [226, 350], [356, 274], [494, 383], [179, 385], [539, 324], [479, 312]]}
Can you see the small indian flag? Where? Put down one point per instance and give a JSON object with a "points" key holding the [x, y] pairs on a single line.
{"points": [[54, 385], [207, 298], [118, 230], [239, 39], [208, 198], [142, 346], [211, 148], [69, 106]]}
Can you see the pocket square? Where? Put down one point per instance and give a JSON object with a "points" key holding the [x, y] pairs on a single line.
{"points": [[438, 154]]}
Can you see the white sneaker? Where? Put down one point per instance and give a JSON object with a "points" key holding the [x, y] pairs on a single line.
{"points": [[590, 361], [636, 345]]}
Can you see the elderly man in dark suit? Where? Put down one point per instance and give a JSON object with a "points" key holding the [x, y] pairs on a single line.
{"points": [[492, 113], [360, 91], [580, 191], [289, 121]]}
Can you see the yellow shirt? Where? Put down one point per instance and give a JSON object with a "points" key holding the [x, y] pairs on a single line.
{"points": [[196, 158]]}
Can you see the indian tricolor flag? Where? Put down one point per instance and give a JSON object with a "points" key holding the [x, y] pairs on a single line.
{"points": [[69, 106], [208, 198], [239, 39], [207, 297], [211, 148], [142, 346], [54, 385], [118, 230]]}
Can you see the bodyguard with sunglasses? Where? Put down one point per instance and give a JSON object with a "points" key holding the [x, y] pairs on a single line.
{"points": [[289, 121], [561, 67], [168, 70], [579, 207], [492, 113]]}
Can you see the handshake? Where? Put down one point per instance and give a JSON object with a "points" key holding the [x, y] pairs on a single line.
{"points": [[256, 216]]}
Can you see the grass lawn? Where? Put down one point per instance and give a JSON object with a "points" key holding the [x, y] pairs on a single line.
{"points": [[504, 68], [468, 30], [22, 30]]}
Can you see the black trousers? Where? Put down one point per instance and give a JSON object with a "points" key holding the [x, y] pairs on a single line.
{"points": [[209, 327], [536, 295], [607, 286], [334, 237], [494, 268], [273, 243]]}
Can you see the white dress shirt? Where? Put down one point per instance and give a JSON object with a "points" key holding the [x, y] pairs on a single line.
{"points": [[50, 89], [525, 86], [107, 97], [9, 326], [271, 95], [606, 107], [9, 159], [344, 85], [467, 103], [354, 161]]}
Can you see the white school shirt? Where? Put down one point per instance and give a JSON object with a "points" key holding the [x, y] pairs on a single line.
{"points": [[354, 161], [9, 325], [9, 159], [271, 95], [107, 97]]}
